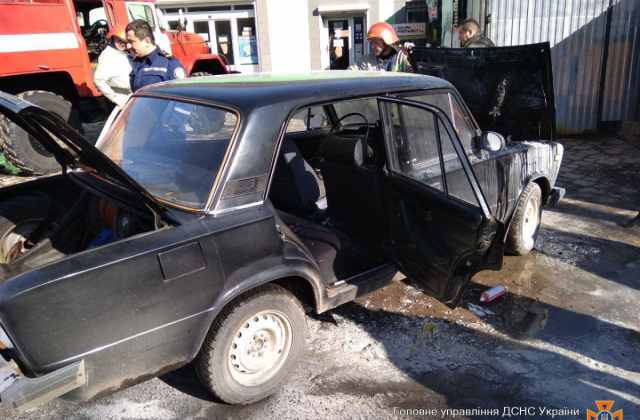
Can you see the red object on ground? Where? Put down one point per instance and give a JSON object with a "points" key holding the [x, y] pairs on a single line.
{"points": [[493, 293]]}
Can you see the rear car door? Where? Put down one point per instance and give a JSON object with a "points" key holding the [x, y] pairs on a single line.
{"points": [[441, 228]]}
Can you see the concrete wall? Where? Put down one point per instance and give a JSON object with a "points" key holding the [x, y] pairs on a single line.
{"points": [[288, 35], [262, 28]]}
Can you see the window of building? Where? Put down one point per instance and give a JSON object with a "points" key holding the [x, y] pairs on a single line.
{"points": [[209, 9]]}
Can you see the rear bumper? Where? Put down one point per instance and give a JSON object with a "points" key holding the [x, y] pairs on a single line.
{"points": [[27, 393], [555, 196]]}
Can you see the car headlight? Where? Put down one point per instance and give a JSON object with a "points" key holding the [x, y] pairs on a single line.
{"points": [[5, 343]]}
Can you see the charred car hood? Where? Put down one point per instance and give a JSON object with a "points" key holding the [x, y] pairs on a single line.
{"points": [[509, 90], [72, 150]]}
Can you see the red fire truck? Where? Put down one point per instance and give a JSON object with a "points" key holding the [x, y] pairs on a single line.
{"points": [[49, 51]]}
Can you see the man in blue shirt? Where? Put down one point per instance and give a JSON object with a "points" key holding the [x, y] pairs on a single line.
{"points": [[151, 64]]}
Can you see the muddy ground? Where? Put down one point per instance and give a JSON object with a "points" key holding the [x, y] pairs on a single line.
{"points": [[566, 334]]}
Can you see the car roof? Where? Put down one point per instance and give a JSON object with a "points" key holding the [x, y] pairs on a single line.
{"points": [[247, 91]]}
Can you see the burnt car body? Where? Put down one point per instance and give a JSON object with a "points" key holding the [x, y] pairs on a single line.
{"points": [[207, 223]]}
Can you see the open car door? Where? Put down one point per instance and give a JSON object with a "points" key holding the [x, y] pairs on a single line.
{"points": [[441, 228]]}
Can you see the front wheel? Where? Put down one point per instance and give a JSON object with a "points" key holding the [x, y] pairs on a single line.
{"points": [[253, 346], [526, 221]]}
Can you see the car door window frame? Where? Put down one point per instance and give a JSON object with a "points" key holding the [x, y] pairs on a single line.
{"points": [[470, 121], [441, 118]]}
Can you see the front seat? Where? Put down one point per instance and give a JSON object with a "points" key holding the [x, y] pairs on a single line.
{"points": [[295, 187], [353, 190]]}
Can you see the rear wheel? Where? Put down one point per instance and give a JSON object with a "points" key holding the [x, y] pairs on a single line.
{"points": [[253, 346], [25, 152], [526, 221]]}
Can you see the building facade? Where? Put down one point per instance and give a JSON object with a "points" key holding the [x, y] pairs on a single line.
{"points": [[299, 35]]}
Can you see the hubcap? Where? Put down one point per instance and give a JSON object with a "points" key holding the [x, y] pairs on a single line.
{"points": [[530, 223], [260, 347]]}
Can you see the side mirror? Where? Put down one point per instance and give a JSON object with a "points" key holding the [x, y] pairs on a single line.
{"points": [[182, 21], [315, 121], [492, 142]]}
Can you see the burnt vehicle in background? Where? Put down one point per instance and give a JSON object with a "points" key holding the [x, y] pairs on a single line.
{"points": [[214, 207]]}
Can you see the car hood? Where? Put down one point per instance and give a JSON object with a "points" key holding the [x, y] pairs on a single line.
{"points": [[72, 150], [509, 90]]}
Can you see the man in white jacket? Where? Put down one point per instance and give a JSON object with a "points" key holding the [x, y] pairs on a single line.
{"points": [[114, 67], [112, 75]]}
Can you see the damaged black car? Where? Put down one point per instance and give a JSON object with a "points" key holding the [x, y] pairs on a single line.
{"points": [[214, 208]]}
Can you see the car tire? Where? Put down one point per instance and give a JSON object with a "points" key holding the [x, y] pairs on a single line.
{"points": [[22, 150], [19, 217], [253, 346], [526, 221]]}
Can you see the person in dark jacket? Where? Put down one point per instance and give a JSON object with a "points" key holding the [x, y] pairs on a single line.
{"points": [[151, 64], [471, 36]]}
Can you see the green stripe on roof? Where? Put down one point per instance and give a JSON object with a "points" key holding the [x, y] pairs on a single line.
{"points": [[288, 78]]}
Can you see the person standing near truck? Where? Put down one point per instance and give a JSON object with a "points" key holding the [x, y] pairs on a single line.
{"points": [[388, 54], [114, 67], [151, 64]]}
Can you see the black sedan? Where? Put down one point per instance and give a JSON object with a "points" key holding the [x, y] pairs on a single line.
{"points": [[214, 207]]}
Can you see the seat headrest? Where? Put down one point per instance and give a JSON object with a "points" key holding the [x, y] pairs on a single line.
{"points": [[345, 151]]}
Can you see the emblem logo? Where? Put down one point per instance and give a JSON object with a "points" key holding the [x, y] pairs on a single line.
{"points": [[605, 412]]}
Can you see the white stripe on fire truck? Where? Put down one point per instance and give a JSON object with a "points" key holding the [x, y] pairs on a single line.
{"points": [[38, 42]]}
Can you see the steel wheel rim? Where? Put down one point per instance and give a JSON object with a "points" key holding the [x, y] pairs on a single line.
{"points": [[530, 222], [260, 347]]}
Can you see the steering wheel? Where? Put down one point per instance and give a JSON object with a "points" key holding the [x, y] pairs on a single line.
{"points": [[334, 129], [92, 31]]}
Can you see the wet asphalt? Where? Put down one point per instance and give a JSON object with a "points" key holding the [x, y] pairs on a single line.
{"points": [[565, 335]]}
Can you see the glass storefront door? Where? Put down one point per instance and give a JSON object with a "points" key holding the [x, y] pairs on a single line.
{"points": [[223, 36], [339, 48], [231, 34], [346, 41]]}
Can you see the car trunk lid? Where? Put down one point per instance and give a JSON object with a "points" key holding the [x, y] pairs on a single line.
{"points": [[509, 90]]}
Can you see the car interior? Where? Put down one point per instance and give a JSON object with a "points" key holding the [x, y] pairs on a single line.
{"points": [[327, 190], [93, 26]]}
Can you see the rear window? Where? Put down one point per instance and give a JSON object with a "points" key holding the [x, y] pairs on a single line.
{"points": [[173, 149]]}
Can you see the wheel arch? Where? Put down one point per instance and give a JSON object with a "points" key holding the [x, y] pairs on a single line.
{"points": [[59, 83], [208, 63], [545, 186], [298, 277]]}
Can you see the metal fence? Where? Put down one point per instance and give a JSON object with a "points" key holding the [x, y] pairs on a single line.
{"points": [[576, 30], [622, 86]]}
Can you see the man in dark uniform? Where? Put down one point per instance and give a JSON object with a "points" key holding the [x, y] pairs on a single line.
{"points": [[151, 64], [471, 36]]}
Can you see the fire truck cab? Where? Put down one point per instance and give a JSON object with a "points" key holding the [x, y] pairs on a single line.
{"points": [[49, 51]]}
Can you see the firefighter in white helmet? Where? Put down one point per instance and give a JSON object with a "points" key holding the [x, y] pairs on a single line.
{"points": [[114, 67]]}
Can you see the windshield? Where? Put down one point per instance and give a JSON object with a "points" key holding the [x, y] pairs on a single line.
{"points": [[173, 149]]}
